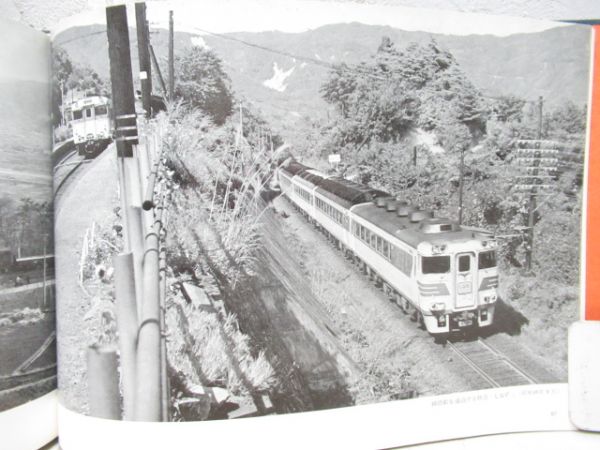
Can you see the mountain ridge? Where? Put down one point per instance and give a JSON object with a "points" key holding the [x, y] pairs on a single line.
{"points": [[552, 63]]}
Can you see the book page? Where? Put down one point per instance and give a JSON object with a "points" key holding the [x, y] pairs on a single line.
{"points": [[358, 213], [27, 306]]}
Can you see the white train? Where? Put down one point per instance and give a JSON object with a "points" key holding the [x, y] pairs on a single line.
{"points": [[91, 124], [442, 273]]}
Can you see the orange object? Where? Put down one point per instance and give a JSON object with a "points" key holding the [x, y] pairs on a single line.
{"points": [[592, 276]]}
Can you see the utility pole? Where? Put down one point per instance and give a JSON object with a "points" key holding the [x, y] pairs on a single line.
{"points": [[171, 58], [161, 80], [62, 103], [460, 184], [121, 79], [532, 199], [144, 57]]}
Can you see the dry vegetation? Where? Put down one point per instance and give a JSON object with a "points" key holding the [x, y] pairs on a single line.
{"points": [[213, 229]]}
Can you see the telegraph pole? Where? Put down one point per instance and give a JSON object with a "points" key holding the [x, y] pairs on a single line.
{"points": [[147, 369], [161, 80], [460, 183], [171, 58], [532, 200], [144, 56], [121, 79]]}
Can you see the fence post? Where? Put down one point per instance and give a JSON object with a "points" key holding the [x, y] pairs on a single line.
{"points": [[127, 325], [103, 382], [148, 397], [144, 56]]}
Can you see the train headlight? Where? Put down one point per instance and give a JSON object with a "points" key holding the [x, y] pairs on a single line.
{"points": [[489, 298], [436, 307], [436, 249]]}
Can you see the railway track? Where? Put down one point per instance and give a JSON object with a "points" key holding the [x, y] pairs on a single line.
{"points": [[65, 170], [7, 280], [493, 366]]}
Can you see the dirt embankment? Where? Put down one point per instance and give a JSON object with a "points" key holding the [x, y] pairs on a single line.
{"points": [[277, 310]]}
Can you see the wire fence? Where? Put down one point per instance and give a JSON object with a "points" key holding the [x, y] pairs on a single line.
{"points": [[130, 382]]}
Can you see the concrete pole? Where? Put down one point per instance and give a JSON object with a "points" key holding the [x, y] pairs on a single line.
{"points": [[127, 325], [148, 403], [103, 382]]}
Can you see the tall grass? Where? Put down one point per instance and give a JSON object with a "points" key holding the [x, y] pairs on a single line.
{"points": [[209, 349], [219, 175]]}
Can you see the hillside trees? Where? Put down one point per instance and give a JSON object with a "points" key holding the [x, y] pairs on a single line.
{"points": [[203, 84], [26, 224], [68, 76], [387, 106], [381, 101]]}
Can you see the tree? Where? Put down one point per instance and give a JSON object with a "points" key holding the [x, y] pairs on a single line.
{"points": [[202, 83], [507, 108], [67, 76], [566, 119]]}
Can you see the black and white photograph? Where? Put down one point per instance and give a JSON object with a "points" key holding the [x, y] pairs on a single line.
{"points": [[27, 307], [289, 209]]}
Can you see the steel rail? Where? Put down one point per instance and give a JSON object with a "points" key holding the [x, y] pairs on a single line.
{"points": [[465, 357]]}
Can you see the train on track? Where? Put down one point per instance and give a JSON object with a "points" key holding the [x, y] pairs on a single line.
{"points": [[90, 121], [444, 274]]}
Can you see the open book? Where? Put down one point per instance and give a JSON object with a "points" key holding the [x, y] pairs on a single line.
{"points": [[361, 222]]}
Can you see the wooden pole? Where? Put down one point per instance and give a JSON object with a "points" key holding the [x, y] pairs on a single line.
{"points": [[531, 206], [121, 79], [45, 299], [161, 80], [171, 58], [460, 185], [144, 57]]}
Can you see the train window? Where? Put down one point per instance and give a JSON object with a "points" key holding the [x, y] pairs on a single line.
{"points": [[77, 114], [487, 259], [464, 263], [435, 264], [373, 240], [362, 232], [88, 112], [101, 110], [386, 249], [379, 244]]}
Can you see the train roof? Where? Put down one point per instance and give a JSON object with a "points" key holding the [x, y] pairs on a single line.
{"points": [[293, 167], [88, 101], [413, 233], [340, 190]]}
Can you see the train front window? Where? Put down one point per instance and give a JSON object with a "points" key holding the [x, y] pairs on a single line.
{"points": [[101, 110], [77, 114], [435, 264], [487, 259], [464, 263]]}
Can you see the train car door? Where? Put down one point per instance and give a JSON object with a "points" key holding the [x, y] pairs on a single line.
{"points": [[465, 282]]}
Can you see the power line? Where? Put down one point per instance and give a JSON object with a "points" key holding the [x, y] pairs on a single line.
{"points": [[335, 67], [306, 59], [94, 33]]}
